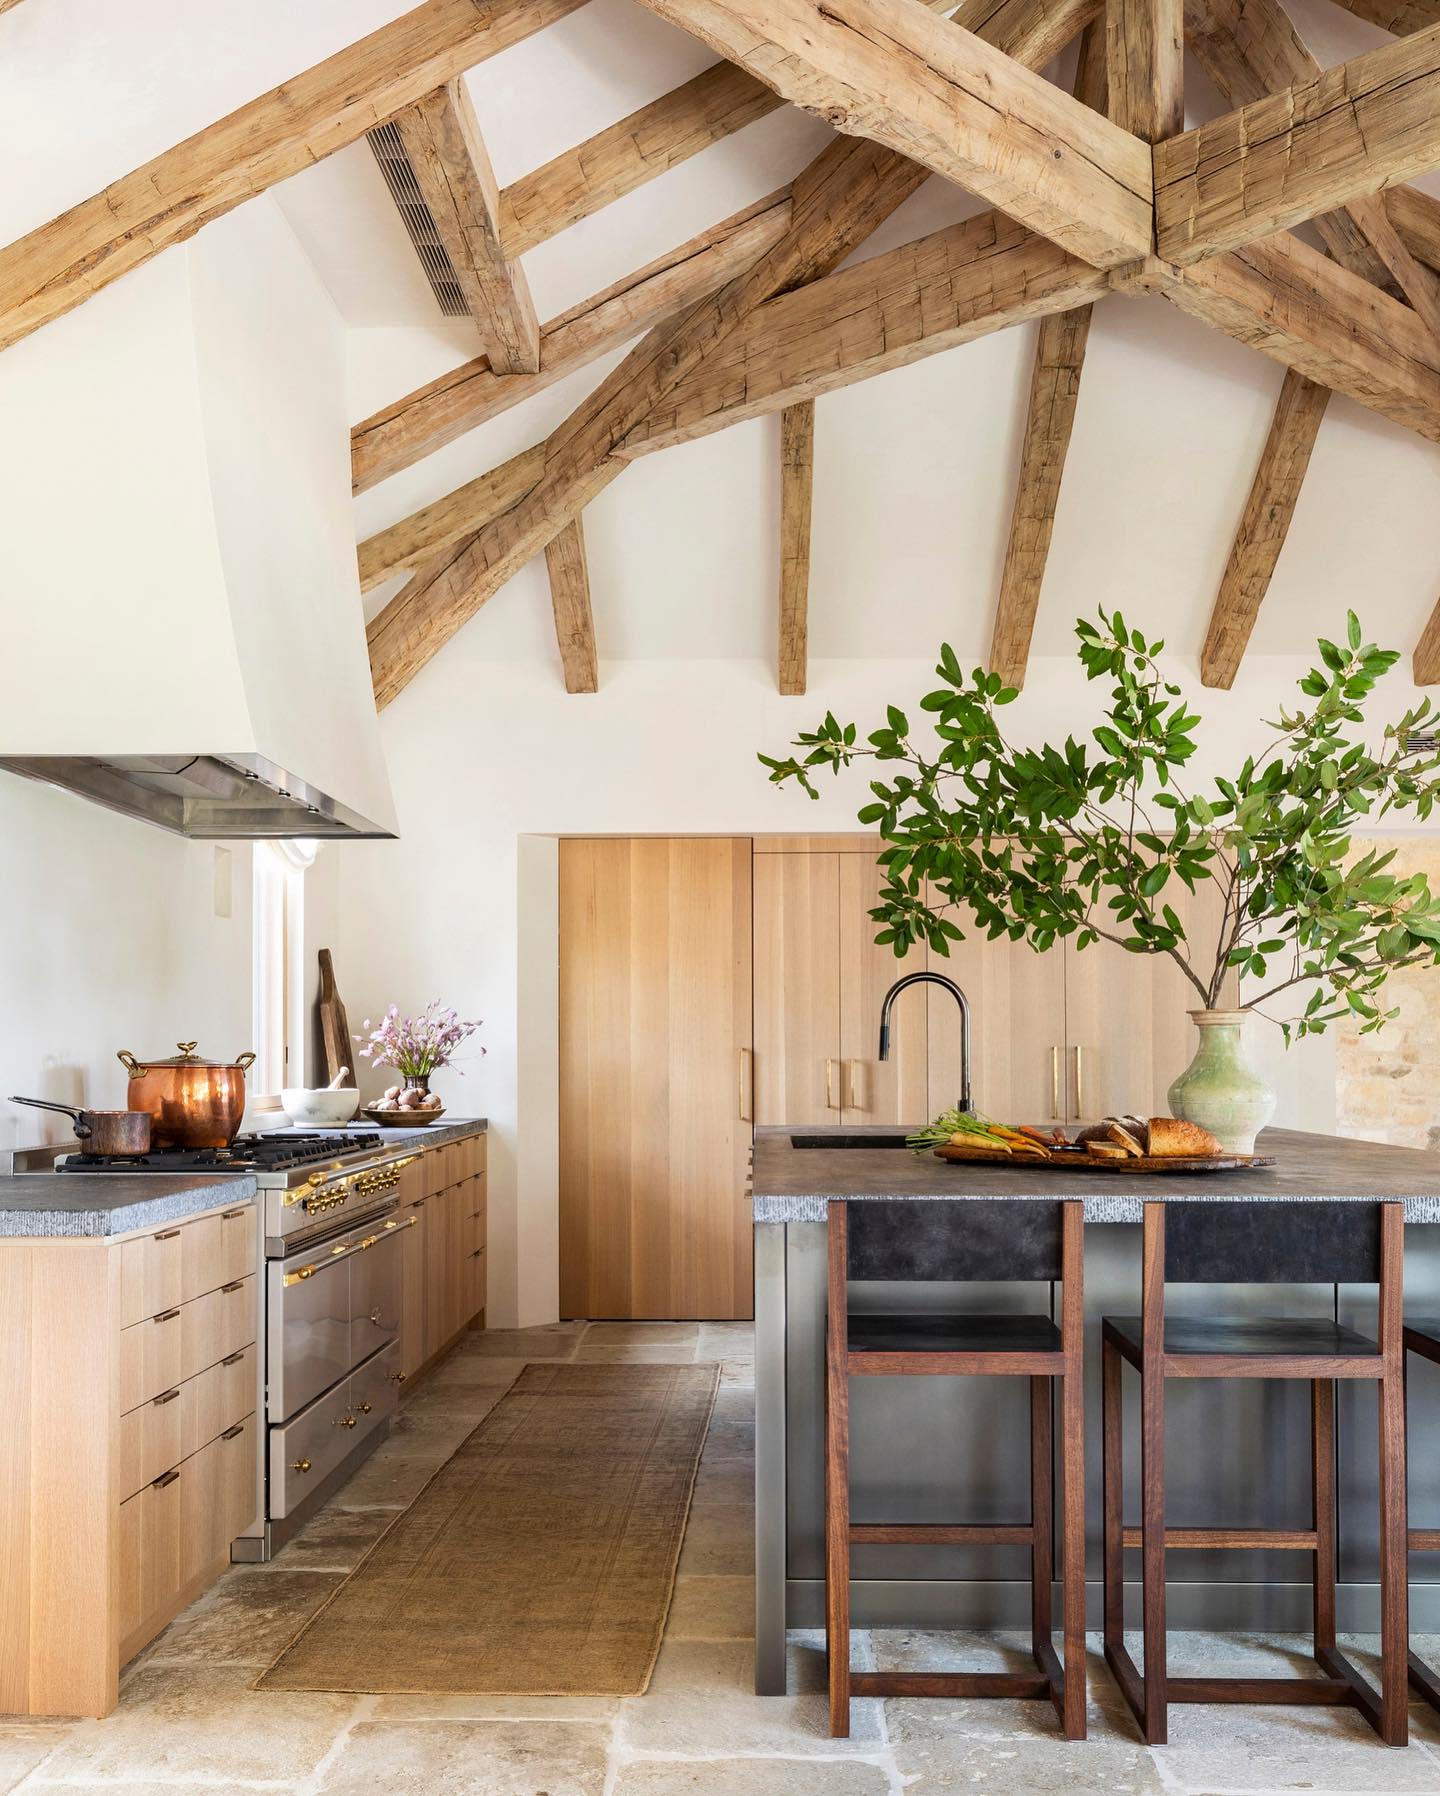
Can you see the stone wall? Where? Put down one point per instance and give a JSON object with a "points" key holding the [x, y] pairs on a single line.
{"points": [[1388, 1084]]}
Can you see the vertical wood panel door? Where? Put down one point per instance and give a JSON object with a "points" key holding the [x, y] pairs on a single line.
{"points": [[1017, 1029], [874, 1090], [655, 1099], [797, 988], [1127, 1025]]}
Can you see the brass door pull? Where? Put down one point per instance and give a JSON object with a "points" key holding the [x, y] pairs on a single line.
{"points": [[344, 1422], [1055, 1083], [1079, 1081], [396, 1377], [299, 1465], [365, 1409], [830, 1103], [852, 1102]]}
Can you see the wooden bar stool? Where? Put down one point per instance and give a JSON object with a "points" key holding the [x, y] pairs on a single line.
{"points": [[1423, 1337], [965, 1240], [1202, 1242]]}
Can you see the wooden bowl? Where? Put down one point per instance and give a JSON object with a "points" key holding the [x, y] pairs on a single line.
{"points": [[403, 1119]]}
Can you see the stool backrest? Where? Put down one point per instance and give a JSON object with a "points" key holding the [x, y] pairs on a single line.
{"points": [[1276, 1242], [960, 1239]]}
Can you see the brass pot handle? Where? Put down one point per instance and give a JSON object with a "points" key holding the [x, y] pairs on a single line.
{"points": [[245, 1061], [131, 1064]]}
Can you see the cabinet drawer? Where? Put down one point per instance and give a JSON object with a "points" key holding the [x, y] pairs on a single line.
{"points": [[175, 1345], [308, 1448], [238, 1451], [240, 1243], [470, 1154], [375, 1389], [472, 1214], [475, 1290], [150, 1276], [179, 1421]]}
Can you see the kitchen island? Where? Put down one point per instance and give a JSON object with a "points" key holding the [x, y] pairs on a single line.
{"points": [[938, 1449]]}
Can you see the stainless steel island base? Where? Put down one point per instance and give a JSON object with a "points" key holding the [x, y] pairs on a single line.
{"points": [[936, 1449]]}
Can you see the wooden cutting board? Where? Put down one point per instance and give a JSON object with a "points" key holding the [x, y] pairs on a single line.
{"points": [[334, 1026], [1071, 1162]]}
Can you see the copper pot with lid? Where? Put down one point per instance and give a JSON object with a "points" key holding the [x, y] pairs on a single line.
{"points": [[192, 1102]]}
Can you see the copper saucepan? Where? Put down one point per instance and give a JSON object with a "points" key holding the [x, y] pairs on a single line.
{"points": [[192, 1102], [117, 1134]]}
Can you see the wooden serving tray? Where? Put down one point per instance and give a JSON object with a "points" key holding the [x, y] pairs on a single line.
{"points": [[1072, 1160]]}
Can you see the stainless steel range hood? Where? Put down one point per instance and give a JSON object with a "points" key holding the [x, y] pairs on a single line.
{"points": [[175, 472], [208, 797]]}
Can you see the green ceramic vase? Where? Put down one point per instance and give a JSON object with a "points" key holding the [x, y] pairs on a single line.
{"points": [[1220, 1089]]}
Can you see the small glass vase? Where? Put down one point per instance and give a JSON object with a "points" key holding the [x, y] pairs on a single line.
{"points": [[1220, 1089]]}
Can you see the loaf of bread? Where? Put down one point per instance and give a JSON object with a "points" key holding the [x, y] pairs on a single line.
{"points": [[1168, 1139]]}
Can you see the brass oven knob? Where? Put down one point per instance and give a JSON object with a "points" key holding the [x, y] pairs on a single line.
{"points": [[299, 1465]]}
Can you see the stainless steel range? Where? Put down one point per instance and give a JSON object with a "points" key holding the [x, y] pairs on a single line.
{"points": [[329, 1240]]}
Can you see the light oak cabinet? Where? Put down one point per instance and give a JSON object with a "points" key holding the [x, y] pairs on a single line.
{"points": [[128, 1462], [442, 1268]]}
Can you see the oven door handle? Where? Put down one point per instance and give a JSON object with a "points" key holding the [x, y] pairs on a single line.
{"points": [[344, 1251]]}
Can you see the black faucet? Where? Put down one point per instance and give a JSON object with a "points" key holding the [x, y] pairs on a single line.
{"points": [[955, 992]]}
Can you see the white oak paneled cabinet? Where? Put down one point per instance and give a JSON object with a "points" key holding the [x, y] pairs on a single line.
{"points": [[443, 1269]]}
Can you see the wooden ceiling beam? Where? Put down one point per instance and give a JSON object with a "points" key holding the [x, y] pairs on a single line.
{"points": [[1272, 164], [719, 101], [570, 601], [945, 289], [452, 169], [1416, 216], [1295, 305], [436, 414], [417, 539], [1425, 665], [797, 478], [1264, 525], [850, 188], [1403, 17], [1049, 421], [894, 72], [1145, 66], [55, 267]]}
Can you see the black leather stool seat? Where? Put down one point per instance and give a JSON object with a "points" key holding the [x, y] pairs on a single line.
{"points": [[1429, 1326], [1249, 1334], [953, 1334]]}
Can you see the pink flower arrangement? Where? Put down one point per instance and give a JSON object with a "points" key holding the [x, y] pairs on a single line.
{"points": [[416, 1045]]}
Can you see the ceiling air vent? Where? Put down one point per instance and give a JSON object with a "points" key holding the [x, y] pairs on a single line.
{"points": [[415, 215]]}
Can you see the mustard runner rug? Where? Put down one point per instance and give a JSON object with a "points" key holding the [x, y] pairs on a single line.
{"points": [[539, 1560]]}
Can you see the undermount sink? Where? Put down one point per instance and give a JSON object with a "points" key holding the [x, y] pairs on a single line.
{"points": [[895, 1138]]}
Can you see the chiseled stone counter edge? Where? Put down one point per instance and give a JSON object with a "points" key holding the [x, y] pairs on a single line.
{"points": [[81, 1205]]}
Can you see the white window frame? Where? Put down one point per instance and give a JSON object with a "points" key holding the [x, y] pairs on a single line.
{"points": [[278, 968]]}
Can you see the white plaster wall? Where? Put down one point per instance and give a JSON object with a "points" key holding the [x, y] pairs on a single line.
{"points": [[485, 756]]}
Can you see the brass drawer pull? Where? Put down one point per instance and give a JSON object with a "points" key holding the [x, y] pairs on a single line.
{"points": [[164, 1479], [233, 1359], [230, 1215], [230, 1433], [299, 1465], [365, 1409], [396, 1377], [237, 1284], [165, 1316], [344, 1422], [165, 1397], [167, 1235]]}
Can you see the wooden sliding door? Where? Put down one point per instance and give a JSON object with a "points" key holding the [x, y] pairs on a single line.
{"points": [[655, 1075]]}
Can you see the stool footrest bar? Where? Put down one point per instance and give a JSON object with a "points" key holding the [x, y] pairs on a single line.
{"points": [[1255, 1540], [928, 1534], [949, 1683]]}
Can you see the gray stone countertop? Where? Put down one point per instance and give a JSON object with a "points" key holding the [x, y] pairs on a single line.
{"points": [[449, 1128], [791, 1184], [98, 1204]]}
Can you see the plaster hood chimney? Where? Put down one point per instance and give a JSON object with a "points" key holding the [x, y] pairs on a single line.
{"points": [[181, 624]]}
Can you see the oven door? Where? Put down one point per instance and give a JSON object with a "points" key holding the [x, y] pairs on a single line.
{"points": [[308, 1346], [375, 1290]]}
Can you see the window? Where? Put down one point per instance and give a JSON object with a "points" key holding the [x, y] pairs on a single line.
{"points": [[279, 967]]}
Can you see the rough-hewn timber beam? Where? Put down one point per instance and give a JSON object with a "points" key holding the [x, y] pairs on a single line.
{"points": [[1416, 216], [434, 415], [570, 601], [56, 266], [892, 71], [1425, 666], [1400, 16], [452, 170], [850, 188], [945, 289], [1356, 129], [1145, 57], [797, 476], [1264, 525], [418, 538], [1049, 420], [1295, 305]]}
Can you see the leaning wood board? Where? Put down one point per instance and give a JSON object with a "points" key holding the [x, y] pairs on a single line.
{"points": [[958, 1156]]}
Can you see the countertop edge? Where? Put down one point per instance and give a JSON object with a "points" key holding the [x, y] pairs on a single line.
{"points": [[77, 1219]]}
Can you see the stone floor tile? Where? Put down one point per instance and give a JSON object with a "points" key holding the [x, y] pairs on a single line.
{"points": [[470, 1370], [249, 1617], [749, 1777], [22, 1748], [335, 1540], [641, 1334], [735, 1372], [469, 1758], [719, 1541], [993, 1718], [635, 1353], [456, 1402], [387, 1480], [712, 1608], [201, 1722], [734, 1408], [462, 1707], [1038, 1767], [1233, 1746], [724, 1482], [701, 1700], [556, 1341], [427, 1434]]}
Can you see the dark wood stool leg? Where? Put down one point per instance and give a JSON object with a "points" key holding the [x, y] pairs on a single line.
{"points": [[1394, 1565], [1152, 1486], [1322, 1490], [837, 1549], [1042, 1518], [1072, 1549], [1113, 1466]]}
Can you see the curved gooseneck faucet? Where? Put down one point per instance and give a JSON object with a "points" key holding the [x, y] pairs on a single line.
{"points": [[955, 992]]}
